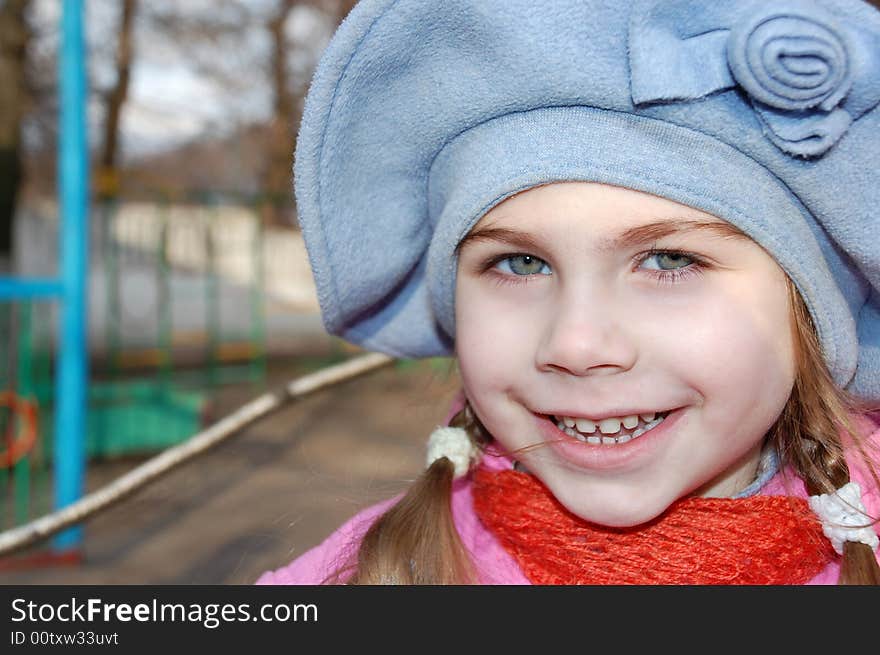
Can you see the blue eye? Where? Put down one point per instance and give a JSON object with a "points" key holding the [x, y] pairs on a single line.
{"points": [[669, 258], [680, 266], [523, 265]]}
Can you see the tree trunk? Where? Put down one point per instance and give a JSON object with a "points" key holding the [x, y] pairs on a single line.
{"points": [[107, 178], [13, 55], [278, 174], [345, 7]]}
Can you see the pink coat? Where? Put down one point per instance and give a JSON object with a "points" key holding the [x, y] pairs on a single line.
{"points": [[491, 560]]}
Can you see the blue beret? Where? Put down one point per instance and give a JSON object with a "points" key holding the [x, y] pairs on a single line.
{"points": [[423, 115]]}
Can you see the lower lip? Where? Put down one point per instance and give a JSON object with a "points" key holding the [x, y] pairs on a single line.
{"points": [[606, 456]]}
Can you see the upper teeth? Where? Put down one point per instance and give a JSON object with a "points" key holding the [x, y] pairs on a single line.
{"points": [[580, 427], [606, 425]]}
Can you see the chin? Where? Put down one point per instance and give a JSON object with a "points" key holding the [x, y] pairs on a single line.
{"points": [[618, 514]]}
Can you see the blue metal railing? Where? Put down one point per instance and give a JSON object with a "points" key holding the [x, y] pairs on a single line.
{"points": [[70, 288], [30, 288]]}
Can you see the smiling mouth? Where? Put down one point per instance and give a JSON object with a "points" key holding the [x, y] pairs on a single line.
{"points": [[607, 433]]}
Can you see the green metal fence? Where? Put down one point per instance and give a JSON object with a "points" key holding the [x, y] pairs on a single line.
{"points": [[143, 397]]}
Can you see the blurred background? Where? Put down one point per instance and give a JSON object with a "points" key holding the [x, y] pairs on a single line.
{"points": [[197, 296]]}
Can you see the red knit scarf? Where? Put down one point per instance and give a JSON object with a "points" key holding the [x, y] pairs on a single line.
{"points": [[699, 541]]}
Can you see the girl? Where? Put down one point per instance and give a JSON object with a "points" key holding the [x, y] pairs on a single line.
{"points": [[648, 232]]}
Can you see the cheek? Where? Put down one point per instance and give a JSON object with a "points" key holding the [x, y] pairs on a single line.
{"points": [[494, 337], [739, 348], [482, 344], [473, 348]]}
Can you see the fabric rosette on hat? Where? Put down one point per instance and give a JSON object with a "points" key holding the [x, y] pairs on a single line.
{"points": [[807, 73], [423, 115]]}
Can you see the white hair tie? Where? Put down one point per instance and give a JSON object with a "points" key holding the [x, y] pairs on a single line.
{"points": [[455, 445], [844, 517]]}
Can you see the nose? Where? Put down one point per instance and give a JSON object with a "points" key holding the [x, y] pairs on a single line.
{"points": [[587, 336]]}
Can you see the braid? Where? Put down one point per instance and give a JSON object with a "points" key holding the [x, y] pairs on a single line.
{"points": [[416, 542], [807, 434]]}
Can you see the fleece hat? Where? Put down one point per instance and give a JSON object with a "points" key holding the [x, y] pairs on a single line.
{"points": [[423, 115]]}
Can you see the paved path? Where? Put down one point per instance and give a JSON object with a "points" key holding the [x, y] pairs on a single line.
{"points": [[271, 492]]}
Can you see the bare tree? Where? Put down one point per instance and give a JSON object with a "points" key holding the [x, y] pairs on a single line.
{"points": [[109, 30], [107, 174], [345, 7], [14, 36], [287, 101], [254, 58], [281, 124]]}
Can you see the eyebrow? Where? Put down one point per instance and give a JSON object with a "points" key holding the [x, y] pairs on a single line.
{"points": [[633, 236]]}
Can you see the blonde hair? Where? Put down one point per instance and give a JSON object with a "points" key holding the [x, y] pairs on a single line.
{"points": [[416, 542], [807, 433]]}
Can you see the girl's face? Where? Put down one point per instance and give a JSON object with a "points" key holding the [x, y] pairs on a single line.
{"points": [[588, 302]]}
